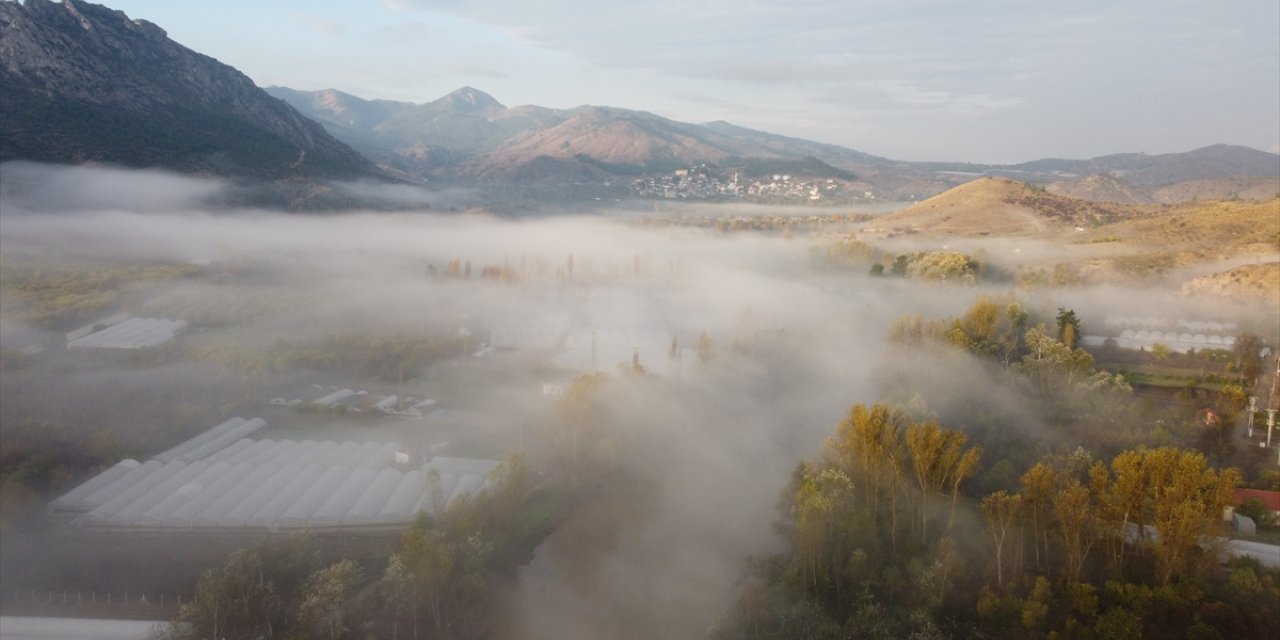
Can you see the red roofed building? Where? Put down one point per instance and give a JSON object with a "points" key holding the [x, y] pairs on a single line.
{"points": [[1270, 499]]}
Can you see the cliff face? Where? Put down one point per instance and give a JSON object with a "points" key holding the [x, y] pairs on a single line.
{"points": [[82, 82]]}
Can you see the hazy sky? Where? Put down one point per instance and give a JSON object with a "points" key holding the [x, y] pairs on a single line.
{"points": [[980, 80]]}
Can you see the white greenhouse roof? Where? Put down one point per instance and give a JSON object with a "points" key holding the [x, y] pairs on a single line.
{"points": [[222, 479], [134, 333]]}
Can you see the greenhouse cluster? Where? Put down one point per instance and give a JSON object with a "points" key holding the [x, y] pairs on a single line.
{"points": [[134, 333], [222, 479]]}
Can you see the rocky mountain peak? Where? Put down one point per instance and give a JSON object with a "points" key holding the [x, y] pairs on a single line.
{"points": [[85, 82], [471, 99]]}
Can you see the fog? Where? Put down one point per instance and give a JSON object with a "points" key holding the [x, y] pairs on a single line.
{"points": [[701, 447]]}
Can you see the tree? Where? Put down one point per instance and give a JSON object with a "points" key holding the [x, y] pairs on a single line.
{"points": [[1039, 484], [867, 445], [900, 264], [938, 460], [705, 347], [1036, 608], [326, 599], [1174, 491], [1076, 527], [1160, 352], [942, 265], [578, 431], [1000, 510], [1246, 355], [398, 592], [1052, 365], [1068, 327]]}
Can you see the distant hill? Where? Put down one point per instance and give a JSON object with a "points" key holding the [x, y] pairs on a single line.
{"points": [[1213, 162], [469, 135], [1240, 188], [1164, 239], [80, 82], [1000, 207], [1107, 188], [1102, 187]]}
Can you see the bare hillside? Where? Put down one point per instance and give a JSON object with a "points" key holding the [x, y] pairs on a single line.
{"points": [[1259, 281], [1002, 207]]}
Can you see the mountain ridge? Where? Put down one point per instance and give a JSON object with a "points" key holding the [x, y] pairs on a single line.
{"points": [[83, 82], [498, 143]]}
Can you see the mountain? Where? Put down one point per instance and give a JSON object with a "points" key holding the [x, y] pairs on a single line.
{"points": [[469, 135], [418, 138], [82, 82], [1212, 162], [1104, 187]]}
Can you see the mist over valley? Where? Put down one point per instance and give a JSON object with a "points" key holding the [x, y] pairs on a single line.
{"points": [[300, 363]]}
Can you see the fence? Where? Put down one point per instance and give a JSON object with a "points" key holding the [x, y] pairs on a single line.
{"points": [[139, 604]]}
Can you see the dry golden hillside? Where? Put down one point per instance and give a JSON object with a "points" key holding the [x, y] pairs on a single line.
{"points": [[1101, 188], [1208, 228], [1002, 207], [1189, 235], [1237, 188], [1259, 281]]}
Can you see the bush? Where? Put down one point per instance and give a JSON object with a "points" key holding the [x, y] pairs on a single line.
{"points": [[1255, 509]]}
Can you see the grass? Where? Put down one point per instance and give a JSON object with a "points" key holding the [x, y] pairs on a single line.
{"points": [[1170, 381]]}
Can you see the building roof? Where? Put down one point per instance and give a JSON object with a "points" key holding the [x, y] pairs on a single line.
{"points": [[134, 333], [1270, 499], [223, 479]]}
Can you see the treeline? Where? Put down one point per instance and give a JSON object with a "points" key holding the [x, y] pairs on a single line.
{"points": [[60, 295], [439, 582], [883, 542], [1082, 402], [937, 265], [393, 358]]}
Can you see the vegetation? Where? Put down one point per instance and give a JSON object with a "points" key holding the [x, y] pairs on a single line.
{"points": [[896, 530], [938, 265], [439, 582], [1059, 557], [394, 358], [62, 295], [1061, 275]]}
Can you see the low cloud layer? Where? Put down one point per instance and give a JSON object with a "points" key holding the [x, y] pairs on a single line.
{"points": [[703, 447]]}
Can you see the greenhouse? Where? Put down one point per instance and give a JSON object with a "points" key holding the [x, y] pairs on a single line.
{"points": [[223, 479]]}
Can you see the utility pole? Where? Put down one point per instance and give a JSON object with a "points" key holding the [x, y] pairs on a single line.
{"points": [[1271, 422], [1253, 406]]}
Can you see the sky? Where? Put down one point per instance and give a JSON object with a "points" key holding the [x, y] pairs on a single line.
{"points": [[976, 80]]}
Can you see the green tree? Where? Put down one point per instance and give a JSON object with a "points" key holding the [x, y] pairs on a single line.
{"points": [[1068, 327], [1052, 365]]}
